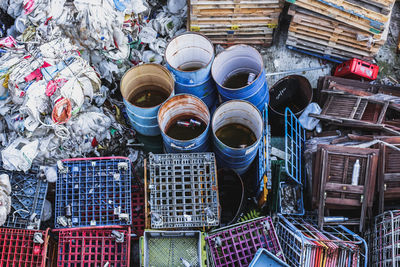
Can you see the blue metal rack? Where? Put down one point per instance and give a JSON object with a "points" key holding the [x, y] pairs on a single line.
{"points": [[294, 144], [28, 194], [93, 192]]}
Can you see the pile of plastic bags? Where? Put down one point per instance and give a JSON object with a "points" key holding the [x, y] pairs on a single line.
{"points": [[52, 101]]}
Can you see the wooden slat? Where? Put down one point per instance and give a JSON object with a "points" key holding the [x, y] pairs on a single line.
{"points": [[345, 188]]}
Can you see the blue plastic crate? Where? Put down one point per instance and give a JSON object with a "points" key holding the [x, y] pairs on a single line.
{"points": [[295, 137], [264, 258], [291, 205], [93, 192], [28, 194]]}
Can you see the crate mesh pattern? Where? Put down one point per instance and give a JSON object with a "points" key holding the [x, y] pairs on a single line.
{"points": [[237, 246], [94, 192], [183, 190], [18, 247], [28, 194], [385, 239], [138, 211], [168, 248], [305, 245], [96, 246]]}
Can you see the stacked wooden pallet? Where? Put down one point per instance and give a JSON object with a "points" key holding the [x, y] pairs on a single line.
{"points": [[339, 28], [229, 22]]}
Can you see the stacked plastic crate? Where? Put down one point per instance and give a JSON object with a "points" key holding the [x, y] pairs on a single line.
{"points": [[182, 198], [93, 211], [22, 243]]}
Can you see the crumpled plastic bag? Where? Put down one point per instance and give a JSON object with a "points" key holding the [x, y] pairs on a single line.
{"points": [[18, 156]]}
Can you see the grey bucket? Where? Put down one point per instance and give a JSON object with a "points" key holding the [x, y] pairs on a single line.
{"points": [[184, 105], [188, 50], [144, 120]]}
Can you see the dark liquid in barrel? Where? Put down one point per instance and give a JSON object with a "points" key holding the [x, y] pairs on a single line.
{"points": [[183, 133], [149, 96], [236, 135], [237, 80], [191, 66]]}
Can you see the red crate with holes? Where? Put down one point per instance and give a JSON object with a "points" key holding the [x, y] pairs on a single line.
{"points": [[356, 68], [138, 214], [94, 246], [26, 248]]}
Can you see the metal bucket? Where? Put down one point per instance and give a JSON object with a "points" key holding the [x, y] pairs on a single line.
{"points": [[237, 59], [195, 53], [144, 120], [245, 113], [292, 91], [178, 106]]}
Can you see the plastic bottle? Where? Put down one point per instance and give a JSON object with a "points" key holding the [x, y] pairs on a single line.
{"points": [[356, 173]]}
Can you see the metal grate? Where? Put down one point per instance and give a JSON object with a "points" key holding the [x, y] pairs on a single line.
{"points": [[236, 245], [28, 194], [305, 245], [294, 144], [162, 248], [385, 240], [98, 246], [183, 190], [93, 192], [24, 248]]}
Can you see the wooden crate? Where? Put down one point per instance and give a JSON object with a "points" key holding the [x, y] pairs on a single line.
{"points": [[351, 14], [332, 180], [235, 21], [389, 171]]}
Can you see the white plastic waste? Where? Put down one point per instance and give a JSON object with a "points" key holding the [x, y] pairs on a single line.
{"points": [[308, 122]]}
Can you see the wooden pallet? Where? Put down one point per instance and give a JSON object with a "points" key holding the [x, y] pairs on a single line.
{"points": [[316, 47], [235, 21], [356, 8], [326, 26], [359, 22]]}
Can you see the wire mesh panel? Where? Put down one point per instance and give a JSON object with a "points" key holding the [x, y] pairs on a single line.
{"points": [[24, 248], [305, 245], [385, 240], [236, 245], [183, 190], [28, 194], [171, 248], [294, 144], [93, 192], [94, 246]]}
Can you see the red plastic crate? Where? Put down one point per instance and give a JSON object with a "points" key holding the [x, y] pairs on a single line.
{"points": [[93, 246], [138, 211], [356, 68], [20, 247]]}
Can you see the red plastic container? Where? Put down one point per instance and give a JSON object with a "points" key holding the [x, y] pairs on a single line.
{"points": [[138, 211], [356, 68], [26, 248], [94, 246]]}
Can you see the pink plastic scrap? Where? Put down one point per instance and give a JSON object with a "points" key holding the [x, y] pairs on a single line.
{"points": [[36, 74], [8, 42], [53, 85]]}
